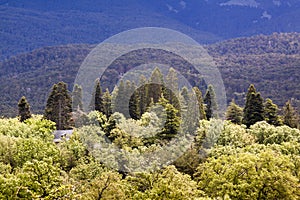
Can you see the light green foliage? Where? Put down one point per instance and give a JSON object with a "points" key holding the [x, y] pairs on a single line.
{"points": [[266, 175], [269, 134], [33, 127], [106, 186], [235, 135], [167, 184]]}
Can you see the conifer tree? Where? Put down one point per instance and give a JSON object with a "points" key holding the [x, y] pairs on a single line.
{"points": [[59, 107], [234, 113], [208, 105], [200, 103], [24, 109], [254, 110], [271, 113], [214, 104], [120, 105], [98, 97], [290, 117], [172, 87], [172, 123], [144, 100], [134, 102], [77, 98], [156, 85], [107, 107]]}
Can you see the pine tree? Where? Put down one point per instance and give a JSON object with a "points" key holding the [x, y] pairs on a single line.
{"points": [[143, 96], [271, 113], [77, 98], [24, 109], [290, 117], [59, 107], [155, 88], [134, 103], [214, 104], [172, 123], [120, 105], [208, 105], [234, 113], [200, 103], [98, 97], [107, 107], [254, 109]]}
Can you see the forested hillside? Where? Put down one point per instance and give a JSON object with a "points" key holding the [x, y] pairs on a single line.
{"points": [[270, 62]]}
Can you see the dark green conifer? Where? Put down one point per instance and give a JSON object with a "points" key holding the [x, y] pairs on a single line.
{"points": [[254, 110], [24, 109], [234, 113], [200, 102], [208, 105], [271, 113], [107, 107], [290, 117], [172, 123], [59, 106], [98, 97]]}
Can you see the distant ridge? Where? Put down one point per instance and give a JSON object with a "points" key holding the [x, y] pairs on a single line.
{"points": [[271, 62]]}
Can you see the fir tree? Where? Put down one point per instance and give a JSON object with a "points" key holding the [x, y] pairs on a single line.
{"points": [[200, 103], [120, 105], [234, 113], [24, 109], [143, 96], [77, 98], [208, 105], [98, 97], [290, 117], [155, 88], [172, 123], [271, 113], [254, 110], [107, 107], [59, 106], [214, 104]]}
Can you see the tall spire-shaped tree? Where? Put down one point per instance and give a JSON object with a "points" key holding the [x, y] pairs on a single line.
{"points": [[77, 97], [107, 109], [254, 109], [290, 117], [24, 109], [208, 105], [200, 103], [156, 85], [98, 97], [59, 106], [271, 113]]}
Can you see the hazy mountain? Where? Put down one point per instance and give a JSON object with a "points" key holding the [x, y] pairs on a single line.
{"points": [[26, 25], [270, 62]]}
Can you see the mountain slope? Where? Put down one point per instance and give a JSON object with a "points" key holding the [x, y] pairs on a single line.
{"points": [[271, 62], [27, 25]]}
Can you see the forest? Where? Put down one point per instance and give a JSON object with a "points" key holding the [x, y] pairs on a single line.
{"points": [[156, 143]]}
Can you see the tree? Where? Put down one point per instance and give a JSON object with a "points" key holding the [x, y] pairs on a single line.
{"points": [[98, 97], [234, 113], [77, 97], [171, 91], [200, 103], [271, 113], [59, 107], [24, 109], [214, 104], [289, 116], [172, 123], [107, 109], [120, 105], [254, 109], [208, 105], [156, 85]]}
